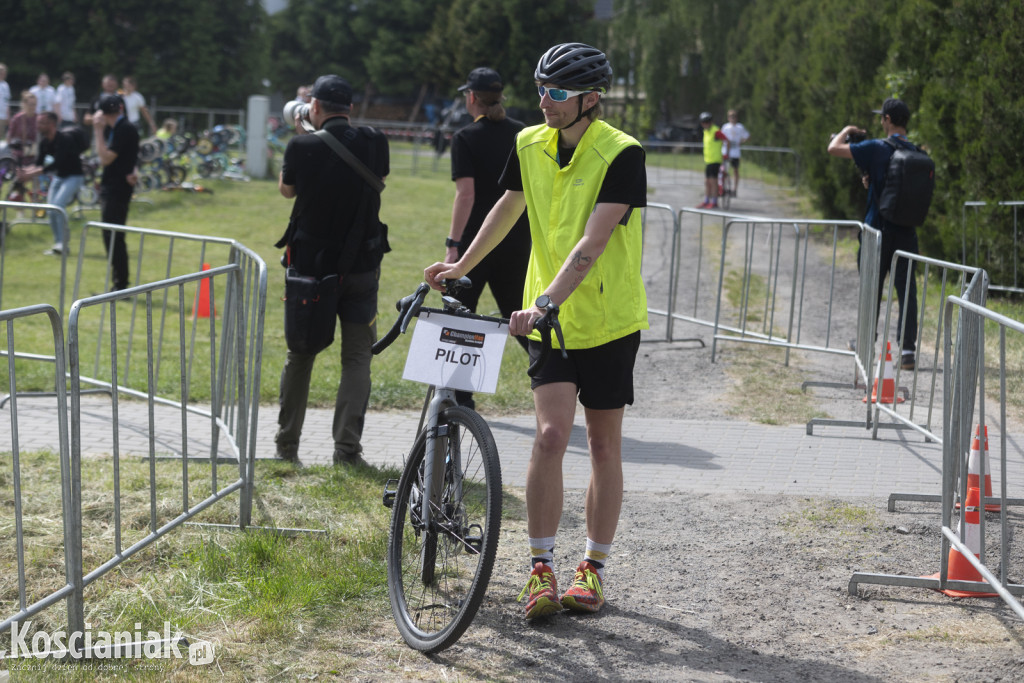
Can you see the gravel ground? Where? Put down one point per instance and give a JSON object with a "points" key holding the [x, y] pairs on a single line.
{"points": [[734, 587]]}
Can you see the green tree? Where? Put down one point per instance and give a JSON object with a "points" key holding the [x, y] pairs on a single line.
{"points": [[187, 52]]}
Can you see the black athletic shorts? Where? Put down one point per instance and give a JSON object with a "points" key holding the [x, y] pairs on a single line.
{"points": [[734, 162], [711, 170], [603, 375]]}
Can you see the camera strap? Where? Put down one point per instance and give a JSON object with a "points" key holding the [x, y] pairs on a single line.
{"points": [[349, 158]]}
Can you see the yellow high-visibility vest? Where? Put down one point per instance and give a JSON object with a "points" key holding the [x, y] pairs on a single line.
{"points": [[611, 302], [712, 147]]}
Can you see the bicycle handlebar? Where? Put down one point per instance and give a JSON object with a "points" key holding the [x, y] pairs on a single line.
{"points": [[408, 308], [544, 324]]}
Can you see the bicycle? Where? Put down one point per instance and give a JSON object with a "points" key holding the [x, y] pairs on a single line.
{"points": [[446, 506], [725, 186]]}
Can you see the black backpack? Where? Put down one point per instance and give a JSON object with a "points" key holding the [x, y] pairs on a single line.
{"points": [[909, 185]]}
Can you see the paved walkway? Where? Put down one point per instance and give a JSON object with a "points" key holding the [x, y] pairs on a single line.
{"points": [[658, 454]]}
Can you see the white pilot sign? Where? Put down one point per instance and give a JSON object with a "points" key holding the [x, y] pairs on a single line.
{"points": [[456, 353]]}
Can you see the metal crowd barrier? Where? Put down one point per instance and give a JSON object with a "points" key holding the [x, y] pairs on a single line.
{"points": [[777, 253], [661, 264], [105, 329], [996, 256], [8, 219], [964, 371], [71, 541], [971, 283]]}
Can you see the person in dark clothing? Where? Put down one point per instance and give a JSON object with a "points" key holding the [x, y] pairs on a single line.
{"points": [[335, 228], [59, 155], [479, 153], [872, 158], [117, 146]]}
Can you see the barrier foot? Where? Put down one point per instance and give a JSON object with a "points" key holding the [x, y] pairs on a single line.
{"points": [[922, 582], [830, 385], [863, 424], [935, 498], [274, 530]]}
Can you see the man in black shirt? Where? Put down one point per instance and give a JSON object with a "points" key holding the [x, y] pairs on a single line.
{"points": [[117, 146], [479, 152], [335, 228], [58, 155]]}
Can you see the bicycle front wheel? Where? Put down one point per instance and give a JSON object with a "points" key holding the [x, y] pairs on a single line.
{"points": [[726, 197], [438, 571]]}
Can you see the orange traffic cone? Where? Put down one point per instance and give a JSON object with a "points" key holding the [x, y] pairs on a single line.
{"points": [[960, 569], [979, 454], [888, 383], [201, 305]]}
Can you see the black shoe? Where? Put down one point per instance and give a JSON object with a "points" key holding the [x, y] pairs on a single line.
{"points": [[289, 454], [852, 345], [350, 459], [908, 362]]}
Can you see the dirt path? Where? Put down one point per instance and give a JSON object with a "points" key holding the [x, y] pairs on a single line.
{"points": [[732, 587]]}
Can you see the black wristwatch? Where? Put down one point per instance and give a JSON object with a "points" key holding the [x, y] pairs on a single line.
{"points": [[449, 242], [542, 301]]}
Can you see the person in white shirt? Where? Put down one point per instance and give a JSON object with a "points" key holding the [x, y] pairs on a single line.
{"points": [[46, 96], [737, 134], [65, 106], [135, 105], [5, 101]]}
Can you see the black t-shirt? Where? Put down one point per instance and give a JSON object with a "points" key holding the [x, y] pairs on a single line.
{"points": [[123, 140], [480, 151], [65, 149], [328, 192], [625, 182]]}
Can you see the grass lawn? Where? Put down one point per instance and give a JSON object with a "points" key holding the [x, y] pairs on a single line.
{"points": [[417, 209]]}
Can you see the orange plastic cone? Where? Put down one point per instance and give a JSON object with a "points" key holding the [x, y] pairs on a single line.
{"points": [[979, 454], [201, 305], [960, 569], [888, 383]]}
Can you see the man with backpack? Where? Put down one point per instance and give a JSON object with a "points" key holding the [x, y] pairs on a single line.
{"points": [[900, 179]]}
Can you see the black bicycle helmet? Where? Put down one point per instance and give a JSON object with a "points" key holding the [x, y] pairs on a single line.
{"points": [[706, 117], [574, 66]]}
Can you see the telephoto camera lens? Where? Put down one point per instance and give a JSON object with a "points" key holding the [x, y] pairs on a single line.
{"points": [[294, 109]]}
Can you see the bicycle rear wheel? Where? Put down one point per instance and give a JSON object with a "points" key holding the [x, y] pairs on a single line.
{"points": [[438, 572]]}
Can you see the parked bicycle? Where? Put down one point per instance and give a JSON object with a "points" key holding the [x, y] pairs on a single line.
{"points": [[446, 507]]}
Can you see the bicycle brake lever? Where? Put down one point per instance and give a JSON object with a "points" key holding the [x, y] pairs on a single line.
{"points": [[561, 340]]}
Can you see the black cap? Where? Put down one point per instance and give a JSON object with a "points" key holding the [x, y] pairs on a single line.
{"points": [[483, 79], [110, 103], [896, 110], [334, 89]]}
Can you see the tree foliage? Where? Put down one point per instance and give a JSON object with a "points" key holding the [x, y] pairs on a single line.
{"points": [[186, 52], [796, 70]]}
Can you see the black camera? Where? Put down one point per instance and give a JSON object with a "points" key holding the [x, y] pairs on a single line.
{"points": [[850, 138]]}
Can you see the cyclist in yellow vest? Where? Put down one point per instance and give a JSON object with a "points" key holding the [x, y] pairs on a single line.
{"points": [[716, 147], [580, 182]]}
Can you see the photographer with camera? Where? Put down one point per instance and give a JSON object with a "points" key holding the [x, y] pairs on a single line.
{"points": [[334, 231], [872, 158]]}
